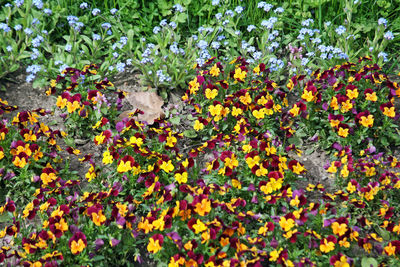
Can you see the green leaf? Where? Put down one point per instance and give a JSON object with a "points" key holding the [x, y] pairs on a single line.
{"points": [[190, 133], [368, 262], [175, 120]]}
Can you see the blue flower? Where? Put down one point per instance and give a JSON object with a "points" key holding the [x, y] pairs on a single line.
{"points": [[129, 62], [96, 11], [47, 11], [279, 10], [35, 21], [229, 13], [156, 29], [37, 41], [239, 9], [18, 3], [174, 48], [30, 78], [58, 62], [9, 48], [84, 5], [123, 40], [45, 32], [304, 61], [113, 11], [382, 21], [215, 45], [261, 4], [163, 22], [178, 8], [269, 24], [221, 37], [389, 35], [96, 37], [202, 44], [106, 25], [218, 16], [38, 4], [115, 54], [120, 66], [33, 69], [268, 7], [340, 30], [5, 27], [257, 55], [172, 25], [78, 26], [250, 28], [28, 31], [18, 27], [307, 22], [215, 2], [383, 55], [68, 47]]}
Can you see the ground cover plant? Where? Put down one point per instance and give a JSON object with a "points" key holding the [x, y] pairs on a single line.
{"points": [[222, 179]]}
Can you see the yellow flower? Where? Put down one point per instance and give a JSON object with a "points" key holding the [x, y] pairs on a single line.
{"points": [[98, 218], [61, 102], [246, 99], [327, 246], [343, 132], [215, 71], [71, 107], [153, 246], [352, 94], [167, 166], [367, 121], [239, 74], [342, 263], [199, 227], [307, 95], [77, 247], [211, 94], [171, 140], [390, 250], [286, 224], [258, 114], [274, 255], [236, 111], [203, 207], [257, 70], [194, 86], [107, 157], [124, 166], [389, 112], [339, 229], [198, 125], [181, 177], [371, 97], [295, 110]]}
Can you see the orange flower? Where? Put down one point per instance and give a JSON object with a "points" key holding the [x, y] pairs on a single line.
{"points": [[203, 207]]}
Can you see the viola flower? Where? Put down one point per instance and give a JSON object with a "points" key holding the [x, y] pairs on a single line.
{"points": [[340, 226], [155, 243], [215, 70], [167, 166], [327, 244], [77, 243], [240, 74], [204, 207], [126, 164], [48, 176], [388, 109], [366, 120], [296, 167], [343, 130], [370, 95]]}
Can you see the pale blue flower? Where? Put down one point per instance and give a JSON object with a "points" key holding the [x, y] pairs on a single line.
{"points": [[178, 8], [120, 66], [28, 31], [383, 55], [172, 25], [389, 35], [68, 47], [84, 5], [96, 11], [229, 13], [250, 28], [37, 41], [163, 22], [218, 16], [9, 48], [129, 62], [47, 11], [156, 29], [202, 44], [18, 3], [106, 25], [340, 30], [239, 9], [96, 37], [261, 4], [38, 4], [307, 22], [18, 27], [115, 55], [30, 78], [268, 7], [113, 11], [215, 2], [279, 10], [382, 21], [215, 45]]}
